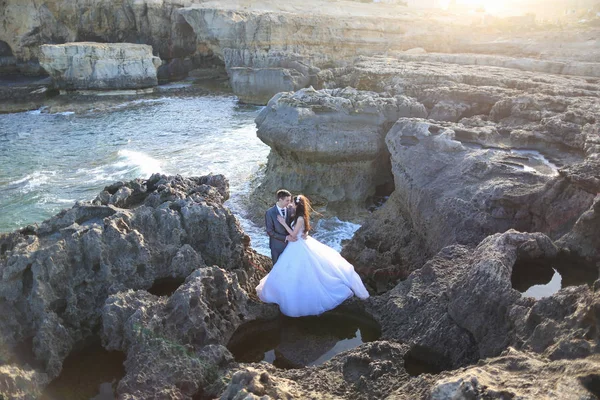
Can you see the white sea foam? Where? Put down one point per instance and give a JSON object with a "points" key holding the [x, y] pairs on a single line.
{"points": [[130, 164], [333, 231], [36, 112], [537, 162], [139, 161], [34, 180]]}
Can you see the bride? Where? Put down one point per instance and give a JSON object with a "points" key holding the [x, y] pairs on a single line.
{"points": [[309, 277]]}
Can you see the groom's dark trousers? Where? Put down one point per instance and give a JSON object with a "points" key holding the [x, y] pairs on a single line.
{"points": [[276, 231]]}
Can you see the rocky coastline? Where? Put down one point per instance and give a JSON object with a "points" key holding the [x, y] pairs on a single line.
{"points": [[488, 155]]}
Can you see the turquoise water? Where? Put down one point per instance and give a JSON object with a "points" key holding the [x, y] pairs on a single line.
{"points": [[50, 161]]}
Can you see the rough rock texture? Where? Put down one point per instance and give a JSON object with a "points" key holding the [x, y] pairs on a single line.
{"points": [[378, 371], [584, 238], [329, 144], [21, 383], [458, 310], [93, 66], [563, 67], [460, 306], [56, 277], [272, 48], [370, 371], [174, 345], [476, 182], [26, 25], [514, 375]]}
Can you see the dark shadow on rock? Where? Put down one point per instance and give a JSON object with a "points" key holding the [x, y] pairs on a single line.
{"points": [[165, 286], [422, 360], [23, 354], [87, 373], [592, 383]]}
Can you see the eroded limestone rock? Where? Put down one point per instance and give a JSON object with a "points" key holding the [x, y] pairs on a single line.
{"points": [[100, 66], [56, 277], [329, 144]]}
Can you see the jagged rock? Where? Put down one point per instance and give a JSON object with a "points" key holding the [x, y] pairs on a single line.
{"points": [[461, 307], [56, 278], [256, 383], [371, 371], [515, 374], [21, 383], [378, 371], [98, 66], [176, 344], [584, 238], [329, 143], [464, 193]]}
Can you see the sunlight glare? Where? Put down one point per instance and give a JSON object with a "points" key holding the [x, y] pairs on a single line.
{"points": [[490, 6]]}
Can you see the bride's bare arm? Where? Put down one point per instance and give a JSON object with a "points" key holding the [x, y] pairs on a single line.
{"points": [[298, 227]]}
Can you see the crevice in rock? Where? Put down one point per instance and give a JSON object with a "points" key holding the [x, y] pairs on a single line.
{"points": [[591, 383], [27, 281], [89, 373], [382, 194], [5, 50], [422, 360], [165, 286]]}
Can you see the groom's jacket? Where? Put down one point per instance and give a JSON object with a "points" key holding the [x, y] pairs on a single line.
{"points": [[275, 230]]}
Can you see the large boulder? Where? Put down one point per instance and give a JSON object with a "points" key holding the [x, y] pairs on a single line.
{"points": [[463, 193], [328, 144], [100, 66]]}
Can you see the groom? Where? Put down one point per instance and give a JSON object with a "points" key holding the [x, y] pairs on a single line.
{"points": [[278, 236]]}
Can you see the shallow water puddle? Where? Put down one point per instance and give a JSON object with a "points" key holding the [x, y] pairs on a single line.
{"points": [[299, 342], [543, 277]]}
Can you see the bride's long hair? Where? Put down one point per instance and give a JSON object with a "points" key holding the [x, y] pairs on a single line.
{"points": [[303, 209]]}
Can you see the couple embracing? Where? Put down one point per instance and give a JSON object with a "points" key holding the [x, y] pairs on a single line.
{"points": [[308, 277]]}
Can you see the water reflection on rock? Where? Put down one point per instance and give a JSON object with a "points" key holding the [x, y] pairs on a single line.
{"points": [[545, 276], [298, 342]]}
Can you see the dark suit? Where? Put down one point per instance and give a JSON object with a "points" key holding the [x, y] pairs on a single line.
{"points": [[276, 231]]}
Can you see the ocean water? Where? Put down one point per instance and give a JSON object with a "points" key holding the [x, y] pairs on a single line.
{"points": [[48, 161]]}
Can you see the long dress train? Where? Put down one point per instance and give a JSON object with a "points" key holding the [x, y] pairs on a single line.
{"points": [[310, 278]]}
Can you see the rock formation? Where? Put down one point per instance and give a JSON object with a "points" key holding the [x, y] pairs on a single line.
{"points": [[477, 193], [28, 25], [175, 346], [57, 277], [272, 46], [97, 66], [459, 314], [329, 144]]}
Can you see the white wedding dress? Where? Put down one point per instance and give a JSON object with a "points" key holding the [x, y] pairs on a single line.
{"points": [[310, 278]]}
